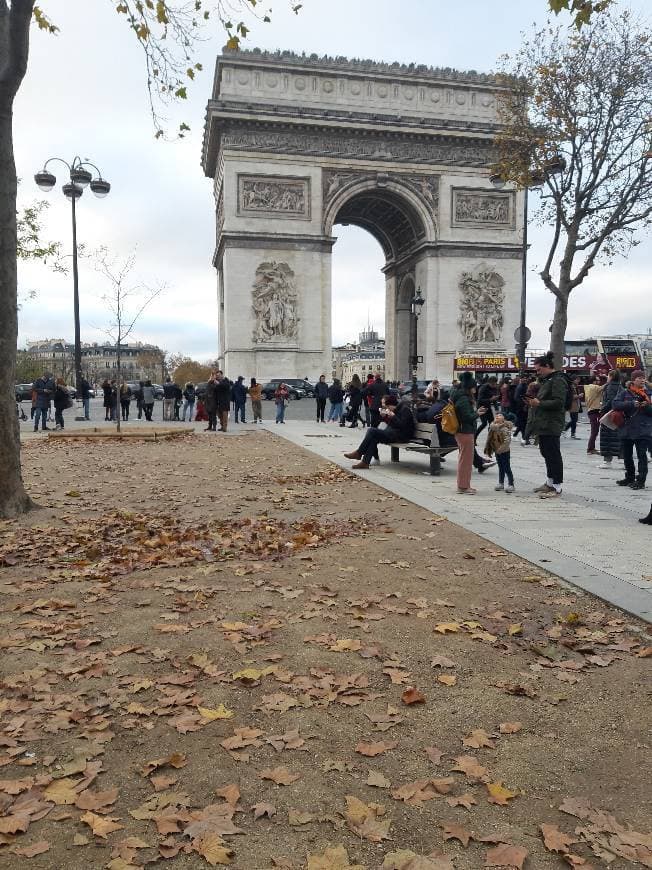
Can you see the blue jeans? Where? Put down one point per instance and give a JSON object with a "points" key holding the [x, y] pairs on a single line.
{"points": [[38, 413], [239, 408], [187, 406], [504, 468], [335, 411], [280, 412], [87, 408]]}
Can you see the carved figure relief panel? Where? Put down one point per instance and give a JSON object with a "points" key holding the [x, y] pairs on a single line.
{"points": [[274, 304], [482, 302], [274, 195], [475, 208], [425, 186]]}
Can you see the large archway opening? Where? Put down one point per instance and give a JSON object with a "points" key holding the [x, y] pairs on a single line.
{"points": [[387, 214]]}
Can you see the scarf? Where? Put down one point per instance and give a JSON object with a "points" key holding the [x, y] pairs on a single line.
{"points": [[640, 393]]}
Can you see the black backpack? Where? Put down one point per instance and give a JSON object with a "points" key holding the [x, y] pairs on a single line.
{"points": [[570, 393]]}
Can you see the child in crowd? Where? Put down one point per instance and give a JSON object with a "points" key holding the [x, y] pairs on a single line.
{"points": [[499, 442]]}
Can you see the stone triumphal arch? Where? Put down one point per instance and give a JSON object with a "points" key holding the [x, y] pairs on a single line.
{"points": [[297, 145]]}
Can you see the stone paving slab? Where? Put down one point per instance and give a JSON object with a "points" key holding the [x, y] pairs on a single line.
{"points": [[590, 538]]}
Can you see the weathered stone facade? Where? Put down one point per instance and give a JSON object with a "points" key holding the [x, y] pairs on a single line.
{"points": [[297, 145]]}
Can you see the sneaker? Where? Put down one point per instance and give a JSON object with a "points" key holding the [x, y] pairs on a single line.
{"points": [[544, 488], [509, 488], [499, 487], [637, 484], [606, 465], [375, 460], [524, 443], [552, 493], [469, 491], [626, 481], [576, 438]]}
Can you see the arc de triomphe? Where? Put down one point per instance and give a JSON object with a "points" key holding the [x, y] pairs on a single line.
{"points": [[297, 145]]}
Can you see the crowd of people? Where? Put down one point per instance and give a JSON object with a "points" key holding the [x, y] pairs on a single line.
{"points": [[540, 409]]}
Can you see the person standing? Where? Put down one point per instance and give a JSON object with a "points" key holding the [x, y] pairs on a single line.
{"points": [[223, 391], [43, 387], [610, 445], [239, 393], [107, 400], [506, 392], [256, 396], [375, 391], [169, 395], [86, 398], [634, 402], [210, 402], [355, 401], [138, 394], [548, 420], [281, 397], [336, 398], [575, 408], [593, 398], [321, 394], [188, 402], [125, 400], [61, 402], [487, 398], [149, 397], [520, 407], [463, 398]]}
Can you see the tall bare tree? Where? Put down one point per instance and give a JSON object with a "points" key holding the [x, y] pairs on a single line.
{"points": [[126, 302], [578, 119]]}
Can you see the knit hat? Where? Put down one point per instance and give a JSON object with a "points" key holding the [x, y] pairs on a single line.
{"points": [[637, 374], [466, 380]]}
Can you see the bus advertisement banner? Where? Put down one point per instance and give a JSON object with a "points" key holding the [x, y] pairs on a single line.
{"points": [[582, 363]]}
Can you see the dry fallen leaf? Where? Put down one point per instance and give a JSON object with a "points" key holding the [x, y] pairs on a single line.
{"points": [[364, 820], [413, 696], [447, 679], [478, 739], [470, 766], [220, 712], [555, 840], [33, 849], [213, 849], [280, 775], [504, 855], [334, 858], [500, 795], [456, 832], [101, 826], [509, 727], [378, 780], [263, 809]]}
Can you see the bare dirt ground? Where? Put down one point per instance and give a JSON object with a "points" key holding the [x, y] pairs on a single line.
{"points": [[222, 651]]}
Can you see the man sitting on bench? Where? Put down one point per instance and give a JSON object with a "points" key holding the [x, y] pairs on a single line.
{"points": [[400, 427]]}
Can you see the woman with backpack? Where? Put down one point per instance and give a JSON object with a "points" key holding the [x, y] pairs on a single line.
{"points": [[125, 400], [610, 445]]}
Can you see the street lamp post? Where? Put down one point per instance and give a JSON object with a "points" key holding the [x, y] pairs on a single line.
{"points": [[416, 303], [80, 177]]}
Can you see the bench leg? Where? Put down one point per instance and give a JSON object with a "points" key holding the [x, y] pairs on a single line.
{"points": [[435, 464], [394, 453]]}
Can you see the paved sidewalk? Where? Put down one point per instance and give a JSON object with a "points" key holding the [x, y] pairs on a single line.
{"points": [[590, 538]]}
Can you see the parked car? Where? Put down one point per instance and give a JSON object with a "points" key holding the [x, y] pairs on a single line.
{"points": [[301, 384], [295, 392], [23, 392], [405, 387]]}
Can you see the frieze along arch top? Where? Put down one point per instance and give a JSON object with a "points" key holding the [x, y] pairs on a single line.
{"points": [[297, 145]]}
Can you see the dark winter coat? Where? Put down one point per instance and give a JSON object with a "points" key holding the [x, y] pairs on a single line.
{"points": [[223, 394], [239, 392], [171, 391], [465, 410], [549, 417], [335, 394], [44, 388], [487, 395], [375, 391], [355, 398], [61, 398], [189, 394], [210, 397], [402, 423], [321, 390], [85, 389], [638, 419], [609, 394]]}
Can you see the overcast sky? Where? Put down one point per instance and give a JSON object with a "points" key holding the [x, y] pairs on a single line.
{"points": [[85, 94]]}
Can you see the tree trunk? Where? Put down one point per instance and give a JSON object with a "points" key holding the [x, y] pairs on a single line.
{"points": [[558, 331], [13, 497]]}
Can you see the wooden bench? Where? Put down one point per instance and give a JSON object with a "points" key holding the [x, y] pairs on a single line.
{"points": [[425, 440]]}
